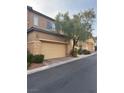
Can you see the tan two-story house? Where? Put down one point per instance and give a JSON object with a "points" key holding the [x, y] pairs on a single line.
{"points": [[42, 38]]}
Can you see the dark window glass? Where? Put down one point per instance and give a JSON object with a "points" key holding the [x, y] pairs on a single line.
{"points": [[49, 25]]}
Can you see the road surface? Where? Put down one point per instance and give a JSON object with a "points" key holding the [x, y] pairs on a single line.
{"points": [[75, 77]]}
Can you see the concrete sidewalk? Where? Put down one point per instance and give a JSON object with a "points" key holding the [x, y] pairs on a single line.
{"points": [[57, 63]]}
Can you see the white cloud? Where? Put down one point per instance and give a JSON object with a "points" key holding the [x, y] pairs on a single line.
{"points": [[52, 7], [47, 7]]}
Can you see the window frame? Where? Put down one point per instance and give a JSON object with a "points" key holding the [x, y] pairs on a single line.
{"points": [[50, 26], [35, 20]]}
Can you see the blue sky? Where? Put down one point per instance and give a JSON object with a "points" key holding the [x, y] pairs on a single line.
{"points": [[52, 7]]}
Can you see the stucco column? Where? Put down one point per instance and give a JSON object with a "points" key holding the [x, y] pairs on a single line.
{"points": [[34, 47], [69, 47], [37, 47]]}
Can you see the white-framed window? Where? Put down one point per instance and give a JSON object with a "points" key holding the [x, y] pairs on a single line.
{"points": [[50, 26], [35, 20], [53, 26]]}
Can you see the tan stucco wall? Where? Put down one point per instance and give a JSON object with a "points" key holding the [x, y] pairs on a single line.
{"points": [[51, 37], [88, 44], [69, 47], [51, 45], [33, 44], [90, 40], [29, 19], [34, 47], [31, 36]]}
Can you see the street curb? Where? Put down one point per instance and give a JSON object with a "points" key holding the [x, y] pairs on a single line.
{"points": [[57, 64]]}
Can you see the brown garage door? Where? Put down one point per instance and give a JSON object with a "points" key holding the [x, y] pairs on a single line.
{"points": [[53, 50]]}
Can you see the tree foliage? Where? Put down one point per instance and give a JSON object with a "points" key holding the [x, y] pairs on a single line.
{"points": [[77, 28]]}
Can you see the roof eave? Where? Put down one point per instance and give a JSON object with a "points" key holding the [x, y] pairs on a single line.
{"points": [[36, 12], [44, 31]]}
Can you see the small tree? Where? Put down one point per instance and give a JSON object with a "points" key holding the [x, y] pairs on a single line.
{"points": [[77, 28]]}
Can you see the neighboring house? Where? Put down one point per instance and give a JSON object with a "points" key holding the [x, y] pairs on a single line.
{"points": [[89, 44], [42, 38]]}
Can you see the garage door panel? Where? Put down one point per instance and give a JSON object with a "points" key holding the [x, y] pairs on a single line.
{"points": [[53, 50]]}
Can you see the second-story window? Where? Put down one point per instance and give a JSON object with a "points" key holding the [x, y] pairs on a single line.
{"points": [[35, 20], [51, 26]]}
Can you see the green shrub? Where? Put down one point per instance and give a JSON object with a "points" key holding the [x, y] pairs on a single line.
{"points": [[86, 52], [80, 51], [29, 57], [38, 58], [74, 52], [28, 65], [95, 48]]}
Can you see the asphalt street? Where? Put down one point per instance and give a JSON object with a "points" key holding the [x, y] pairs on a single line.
{"points": [[75, 77]]}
